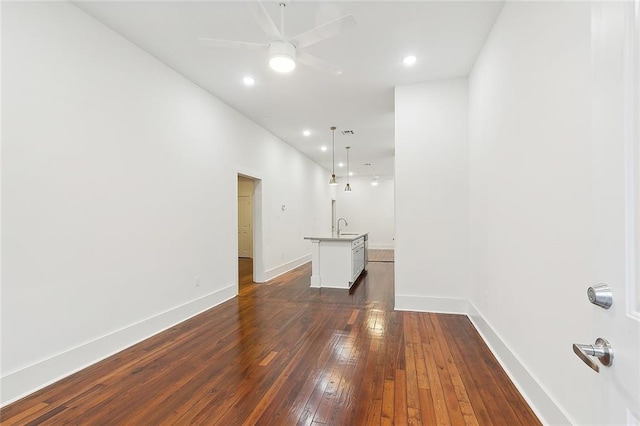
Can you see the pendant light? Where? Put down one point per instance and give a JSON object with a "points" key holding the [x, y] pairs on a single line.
{"points": [[333, 180], [348, 187]]}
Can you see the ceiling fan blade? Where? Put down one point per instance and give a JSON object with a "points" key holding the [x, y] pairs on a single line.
{"points": [[214, 42], [323, 32], [261, 15], [317, 63]]}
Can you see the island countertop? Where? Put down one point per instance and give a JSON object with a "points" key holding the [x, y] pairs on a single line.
{"points": [[338, 261], [344, 236]]}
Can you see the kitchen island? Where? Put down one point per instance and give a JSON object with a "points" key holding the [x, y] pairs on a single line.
{"points": [[338, 261]]}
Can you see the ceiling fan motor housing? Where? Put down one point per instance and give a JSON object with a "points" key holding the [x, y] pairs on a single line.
{"points": [[282, 56]]}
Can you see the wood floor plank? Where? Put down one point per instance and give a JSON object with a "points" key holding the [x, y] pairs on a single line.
{"points": [[418, 354], [27, 415], [400, 412], [283, 353], [268, 359], [427, 409], [413, 397], [378, 255], [374, 413], [475, 397], [330, 396], [435, 387], [453, 406], [475, 359], [295, 406], [366, 384], [388, 401], [461, 393]]}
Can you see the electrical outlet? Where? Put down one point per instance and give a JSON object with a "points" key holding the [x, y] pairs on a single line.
{"points": [[197, 281]]}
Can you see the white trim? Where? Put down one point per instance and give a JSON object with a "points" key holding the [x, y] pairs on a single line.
{"points": [[632, 154], [284, 268], [25, 381], [444, 305]]}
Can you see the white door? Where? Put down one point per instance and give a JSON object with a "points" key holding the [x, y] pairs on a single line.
{"points": [[612, 396], [245, 227]]}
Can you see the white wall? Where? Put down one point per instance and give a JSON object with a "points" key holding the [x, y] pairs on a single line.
{"points": [[529, 127], [368, 208], [492, 223], [431, 190], [119, 182]]}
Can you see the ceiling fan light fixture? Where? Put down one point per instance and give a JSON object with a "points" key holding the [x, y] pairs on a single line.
{"points": [[282, 56]]}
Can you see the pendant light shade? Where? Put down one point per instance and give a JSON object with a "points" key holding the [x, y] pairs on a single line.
{"points": [[348, 187], [333, 180]]}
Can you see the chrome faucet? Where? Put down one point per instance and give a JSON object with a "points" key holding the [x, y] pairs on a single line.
{"points": [[338, 224]]}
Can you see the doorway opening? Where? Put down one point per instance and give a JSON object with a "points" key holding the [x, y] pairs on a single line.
{"points": [[248, 229]]}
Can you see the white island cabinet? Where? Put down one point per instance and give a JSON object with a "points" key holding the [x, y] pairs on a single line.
{"points": [[337, 262]]}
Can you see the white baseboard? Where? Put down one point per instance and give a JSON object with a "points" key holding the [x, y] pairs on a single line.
{"points": [[285, 267], [25, 381], [381, 247], [431, 304], [538, 399]]}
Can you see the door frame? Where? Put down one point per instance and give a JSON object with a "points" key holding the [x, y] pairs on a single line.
{"points": [[258, 257]]}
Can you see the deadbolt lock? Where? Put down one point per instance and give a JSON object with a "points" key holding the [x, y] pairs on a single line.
{"points": [[600, 295]]}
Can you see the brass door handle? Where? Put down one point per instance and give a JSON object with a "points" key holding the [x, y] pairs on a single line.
{"points": [[601, 350]]}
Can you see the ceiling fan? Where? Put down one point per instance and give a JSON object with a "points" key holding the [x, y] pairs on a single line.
{"points": [[283, 52]]}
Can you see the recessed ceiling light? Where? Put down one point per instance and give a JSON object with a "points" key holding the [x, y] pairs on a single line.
{"points": [[340, 164], [350, 173], [249, 81], [306, 132], [323, 148], [409, 60]]}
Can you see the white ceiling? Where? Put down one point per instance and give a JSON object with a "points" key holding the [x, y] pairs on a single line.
{"points": [[446, 37]]}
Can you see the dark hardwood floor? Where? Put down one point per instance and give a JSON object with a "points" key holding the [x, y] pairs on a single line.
{"points": [[282, 353]]}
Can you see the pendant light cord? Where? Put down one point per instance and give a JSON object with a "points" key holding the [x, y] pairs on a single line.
{"points": [[348, 187], [333, 150], [348, 163]]}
